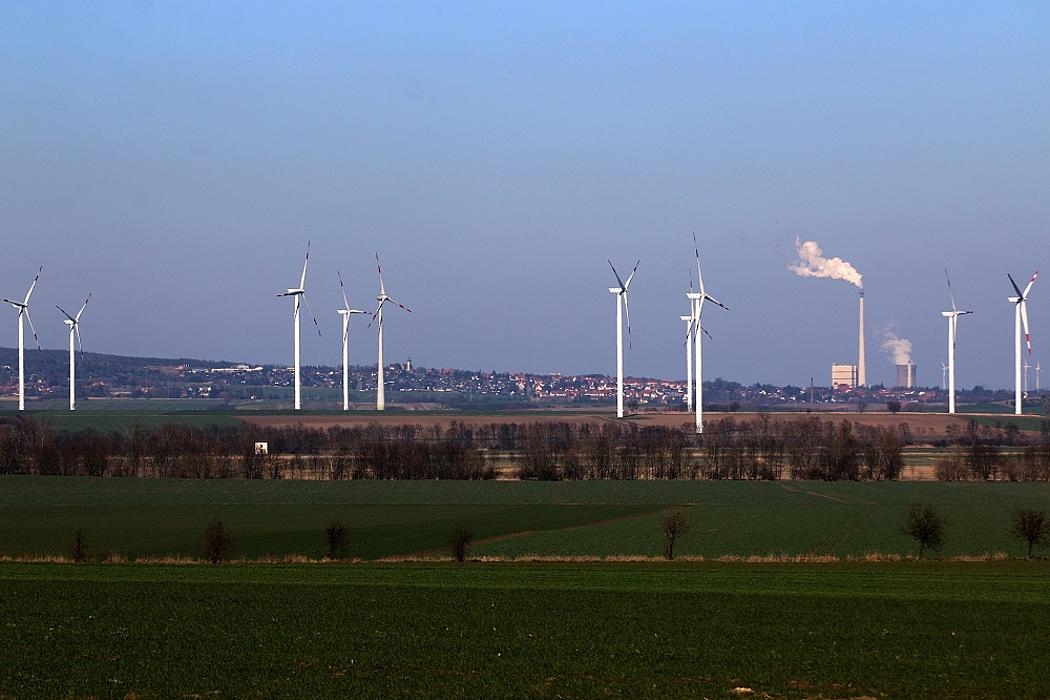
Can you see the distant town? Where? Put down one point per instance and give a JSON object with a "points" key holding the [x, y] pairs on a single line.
{"points": [[116, 377]]}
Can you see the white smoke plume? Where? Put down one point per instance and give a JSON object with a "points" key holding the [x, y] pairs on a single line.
{"points": [[812, 263], [898, 349]]}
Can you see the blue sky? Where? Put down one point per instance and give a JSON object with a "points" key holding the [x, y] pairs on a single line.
{"points": [[175, 158]]}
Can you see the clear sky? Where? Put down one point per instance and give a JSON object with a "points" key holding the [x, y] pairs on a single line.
{"points": [[175, 157]]}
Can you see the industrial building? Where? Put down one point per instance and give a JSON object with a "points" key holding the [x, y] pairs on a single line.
{"points": [[843, 375]]}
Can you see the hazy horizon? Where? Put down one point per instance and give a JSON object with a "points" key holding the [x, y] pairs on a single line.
{"points": [[175, 159]]}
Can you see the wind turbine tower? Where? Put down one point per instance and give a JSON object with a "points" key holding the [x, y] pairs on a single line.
{"points": [[688, 359], [346, 312], [74, 329], [698, 331], [377, 317], [298, 295], [1020, 303], [23, 312], [621, 306], [953, 331]]}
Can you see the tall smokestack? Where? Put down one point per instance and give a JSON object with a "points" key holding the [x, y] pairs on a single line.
{"points": [[862, 379]]}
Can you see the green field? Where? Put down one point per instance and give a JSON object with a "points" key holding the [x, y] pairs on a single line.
{"points": [[901, 630], [158, 517]]}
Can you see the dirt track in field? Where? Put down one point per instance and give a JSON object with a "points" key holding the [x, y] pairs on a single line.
{"points": [[928, 424]]}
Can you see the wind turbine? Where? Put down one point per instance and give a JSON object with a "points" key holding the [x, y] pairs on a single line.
{"points": [[346, 312], [23, 310], [698, 331], [74, 329], [621, 306], [1026, 368], [1020, 303], [953, 330], [297, 294], [944, 377], [383, 299]]}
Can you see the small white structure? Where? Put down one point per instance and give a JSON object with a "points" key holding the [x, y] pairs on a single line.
{"points": [[262, 448]]}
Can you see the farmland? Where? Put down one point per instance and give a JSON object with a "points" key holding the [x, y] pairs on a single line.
{"points": [[934, 630], [161, 517]]}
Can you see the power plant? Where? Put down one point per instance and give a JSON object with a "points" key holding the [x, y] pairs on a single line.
{"points": [[843, 375], [906, 376]]}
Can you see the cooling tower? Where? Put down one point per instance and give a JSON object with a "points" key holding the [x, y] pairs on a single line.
{"points": [[906, 376], [862, 378]]}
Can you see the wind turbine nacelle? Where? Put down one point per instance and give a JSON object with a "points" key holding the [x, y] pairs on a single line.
{"points": [[614, 290], [694, 295], [1013, 300], [68, 322], [947, 314]]}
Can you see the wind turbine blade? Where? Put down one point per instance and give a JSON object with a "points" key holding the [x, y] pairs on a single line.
{"points": [[65, 314], [379, 268], [1016, 288], [627, 310], [36, 279], [618, 280], [951, 295], [1030, 283], [630, 277], [306, 263], [378, 309], [79, 339], [699, 275], [12, 302], [312, 315], [342, 288], [1024, 321], [32, 328], [706, 333], [81, 312], [399, 304], [716, 302]]}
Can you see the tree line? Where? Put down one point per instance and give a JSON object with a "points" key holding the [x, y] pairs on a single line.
{"points": [[764, 447]]}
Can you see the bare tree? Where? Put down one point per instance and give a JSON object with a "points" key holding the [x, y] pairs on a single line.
{"points": [[79, 552], [216, 541], [925, 525], [1031, 526], [674, 524], [336, 536], [460, 540]]}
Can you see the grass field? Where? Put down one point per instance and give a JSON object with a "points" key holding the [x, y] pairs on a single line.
{"points": [[155, 517], [901, 630]]}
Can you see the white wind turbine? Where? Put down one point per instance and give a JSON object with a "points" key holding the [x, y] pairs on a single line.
{"points": [[698, 332], [944, 377], [1026, 367], [377, 317], [346, 312], [23, 311], [298, 294], [953, 331], [74, 329], [621, 307], [1020, 303]]}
